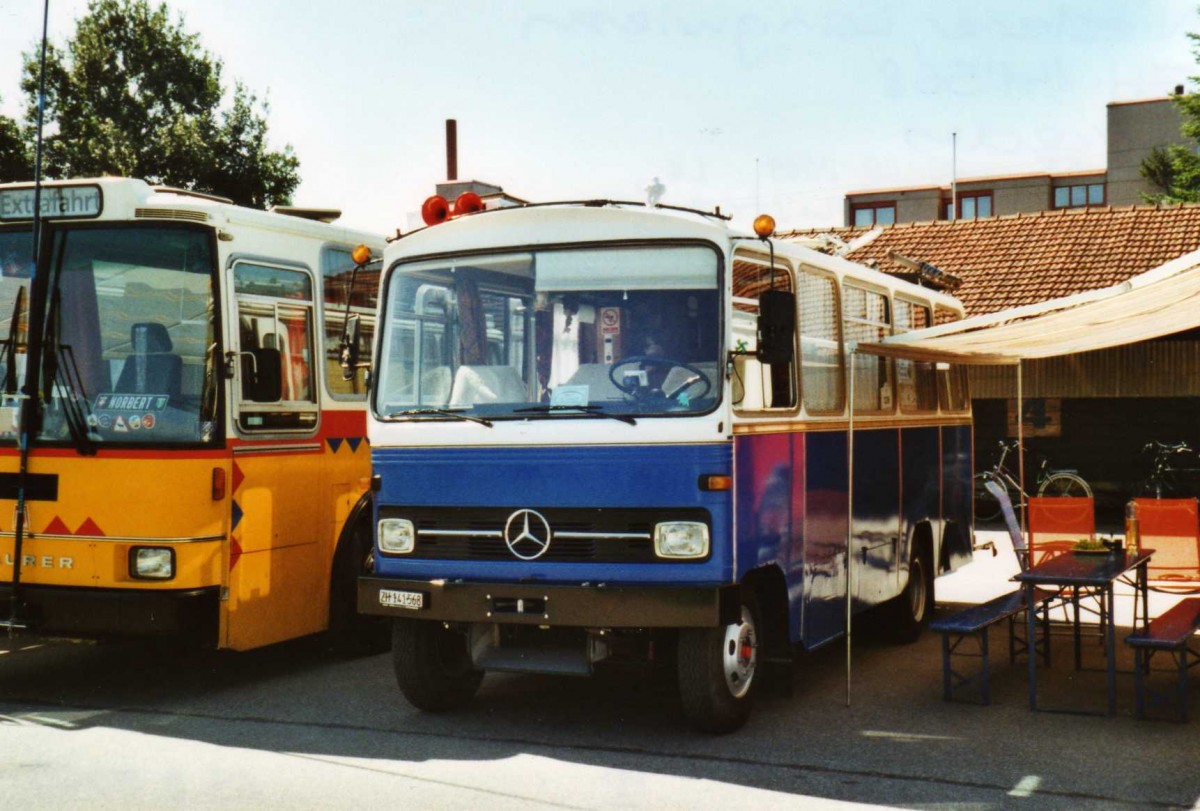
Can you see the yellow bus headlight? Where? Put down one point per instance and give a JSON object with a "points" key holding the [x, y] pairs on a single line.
{"points": [[681, 539], [397, 536], [151, 563]]}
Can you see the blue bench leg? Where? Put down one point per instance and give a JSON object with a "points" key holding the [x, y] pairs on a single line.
{"points": [[947, 691], [1183, 685], [986, 692], [1141, 664]]}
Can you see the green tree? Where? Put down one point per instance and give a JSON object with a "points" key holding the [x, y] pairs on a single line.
{"points": [[135, 94], [14, 159], [1175, 168]]}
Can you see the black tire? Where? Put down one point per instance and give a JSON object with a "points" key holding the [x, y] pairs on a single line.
{"points": [[350, 632], [1065, 485], [433, 665], [987, 507], [909, 613], [718, 671]]}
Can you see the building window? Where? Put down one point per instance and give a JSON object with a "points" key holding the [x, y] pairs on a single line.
{"points": [[971, 205], [1090, 194], [869, 214]]}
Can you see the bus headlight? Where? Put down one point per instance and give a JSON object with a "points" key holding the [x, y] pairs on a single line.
{"points": [[681, 539], [397, 536], [151, 563]]}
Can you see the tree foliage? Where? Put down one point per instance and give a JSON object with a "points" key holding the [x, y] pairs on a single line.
{"points": [[134, 94], [1176, 168], [14, 160]]}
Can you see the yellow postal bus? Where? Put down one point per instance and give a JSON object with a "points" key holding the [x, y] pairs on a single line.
{"points": [[194, 462]]}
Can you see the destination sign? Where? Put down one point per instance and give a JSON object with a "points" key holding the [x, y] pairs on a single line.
{"points": [[58, 202]]}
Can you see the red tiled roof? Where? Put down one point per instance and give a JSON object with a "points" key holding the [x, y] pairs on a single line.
{"points": [[1028, 258]]}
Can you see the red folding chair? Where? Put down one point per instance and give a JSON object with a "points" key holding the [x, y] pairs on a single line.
{"points": [[1056, 524], [1171, 527]]}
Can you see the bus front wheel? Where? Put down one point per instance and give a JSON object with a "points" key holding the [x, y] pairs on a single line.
{"points": [[718, 672], [433, 665]]}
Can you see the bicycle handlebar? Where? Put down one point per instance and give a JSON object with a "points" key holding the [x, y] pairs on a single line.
{"points": [[1165, 448]]}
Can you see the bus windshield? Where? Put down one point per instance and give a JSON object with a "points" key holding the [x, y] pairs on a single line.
{"points": [[129, 352], [624, 331]]}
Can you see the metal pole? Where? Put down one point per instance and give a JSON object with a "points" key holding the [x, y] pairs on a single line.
{"points": [[849, 521], [954, 176], [1021, 451], [28, 405]]}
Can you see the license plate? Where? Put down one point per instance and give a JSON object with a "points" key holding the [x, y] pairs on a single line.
{"points": [[391, 598]]}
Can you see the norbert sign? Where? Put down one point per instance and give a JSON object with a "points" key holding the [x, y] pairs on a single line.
{"points": [[58, 202]]}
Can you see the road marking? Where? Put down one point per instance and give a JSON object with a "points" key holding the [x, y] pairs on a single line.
{"points": [[1026, 787]]}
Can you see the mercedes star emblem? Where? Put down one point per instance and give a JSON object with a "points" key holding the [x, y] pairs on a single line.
{"points": [[527, 534]]}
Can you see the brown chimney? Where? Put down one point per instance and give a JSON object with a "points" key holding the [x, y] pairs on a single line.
{"points": [[451, 149]]}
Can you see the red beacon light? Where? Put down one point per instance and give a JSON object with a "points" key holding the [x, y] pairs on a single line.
{"points": [[468, 203], [435, 210]]}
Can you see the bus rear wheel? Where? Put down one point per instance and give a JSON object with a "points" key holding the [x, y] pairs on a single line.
{"points": [[718, 672], [433, 665], [909, 613]]}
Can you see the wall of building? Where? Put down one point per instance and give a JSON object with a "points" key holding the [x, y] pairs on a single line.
{"points": [[1134, 129]]}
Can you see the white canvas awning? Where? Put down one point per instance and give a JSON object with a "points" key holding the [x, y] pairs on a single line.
{"points": [[1159, 302]]}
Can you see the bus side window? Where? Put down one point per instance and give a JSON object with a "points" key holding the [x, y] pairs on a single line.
{"points": [[867, 318], [821, 360], [276, 390], [916, 381], [758, 386], [337, 269], [952, 389]]}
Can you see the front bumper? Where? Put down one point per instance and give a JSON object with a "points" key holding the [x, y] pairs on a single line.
{"points": [[583, 606], [85, 612]]}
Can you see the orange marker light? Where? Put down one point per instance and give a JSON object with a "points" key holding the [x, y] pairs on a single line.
{"points": [[716, 482], [218, 484], [361, 255], [764, 225]]}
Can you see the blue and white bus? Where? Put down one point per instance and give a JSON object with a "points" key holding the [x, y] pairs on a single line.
{"points": [[588, 443]]}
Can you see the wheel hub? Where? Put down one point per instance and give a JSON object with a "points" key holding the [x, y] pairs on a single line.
{"points": [[740, 655]]}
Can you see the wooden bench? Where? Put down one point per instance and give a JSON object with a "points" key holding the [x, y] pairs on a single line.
{"points": [[973, 623], [1172, 632]]}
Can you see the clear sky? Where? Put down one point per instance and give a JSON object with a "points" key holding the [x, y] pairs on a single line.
{"points": [[781, 107]]}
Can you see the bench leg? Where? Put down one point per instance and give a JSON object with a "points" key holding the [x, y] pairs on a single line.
{"points": [[1181, 694], [1141, 663], [947, 691], [986, 692]]}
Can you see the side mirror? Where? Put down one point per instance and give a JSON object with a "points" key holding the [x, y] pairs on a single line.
{"points": [[776, 326], [262, 375], [348, 352]]}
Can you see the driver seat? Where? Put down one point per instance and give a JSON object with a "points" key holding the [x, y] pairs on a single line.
{"points": [[152, 367]]}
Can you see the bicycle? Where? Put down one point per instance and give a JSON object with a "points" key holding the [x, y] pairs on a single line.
{"points": [[1050, 482], [1164, 479]]}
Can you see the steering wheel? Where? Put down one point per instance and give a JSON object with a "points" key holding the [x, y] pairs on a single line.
{"points": [[697, 375]]}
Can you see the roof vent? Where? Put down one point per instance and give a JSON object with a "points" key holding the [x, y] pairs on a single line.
{"points": [[314, 214], [170, 214]]}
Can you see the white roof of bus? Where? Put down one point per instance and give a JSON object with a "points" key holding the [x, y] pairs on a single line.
{"points": [[129, 198], [553, 225], [535, 226]]}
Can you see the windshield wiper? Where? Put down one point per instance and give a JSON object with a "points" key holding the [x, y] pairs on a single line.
{"points": [[58, 357], [10, 348], [589, 410], [439, 412]]}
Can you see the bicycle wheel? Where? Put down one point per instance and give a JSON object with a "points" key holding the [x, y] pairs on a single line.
{"points": [[987, 508], [1063, 484]]}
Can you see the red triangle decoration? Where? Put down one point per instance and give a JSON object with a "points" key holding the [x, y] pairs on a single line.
{"points": [[56, 527], [238, 476], [235, 553], [89, 527]]}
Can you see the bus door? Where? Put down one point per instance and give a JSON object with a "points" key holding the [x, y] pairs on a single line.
{"points": [[276, 499]]}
